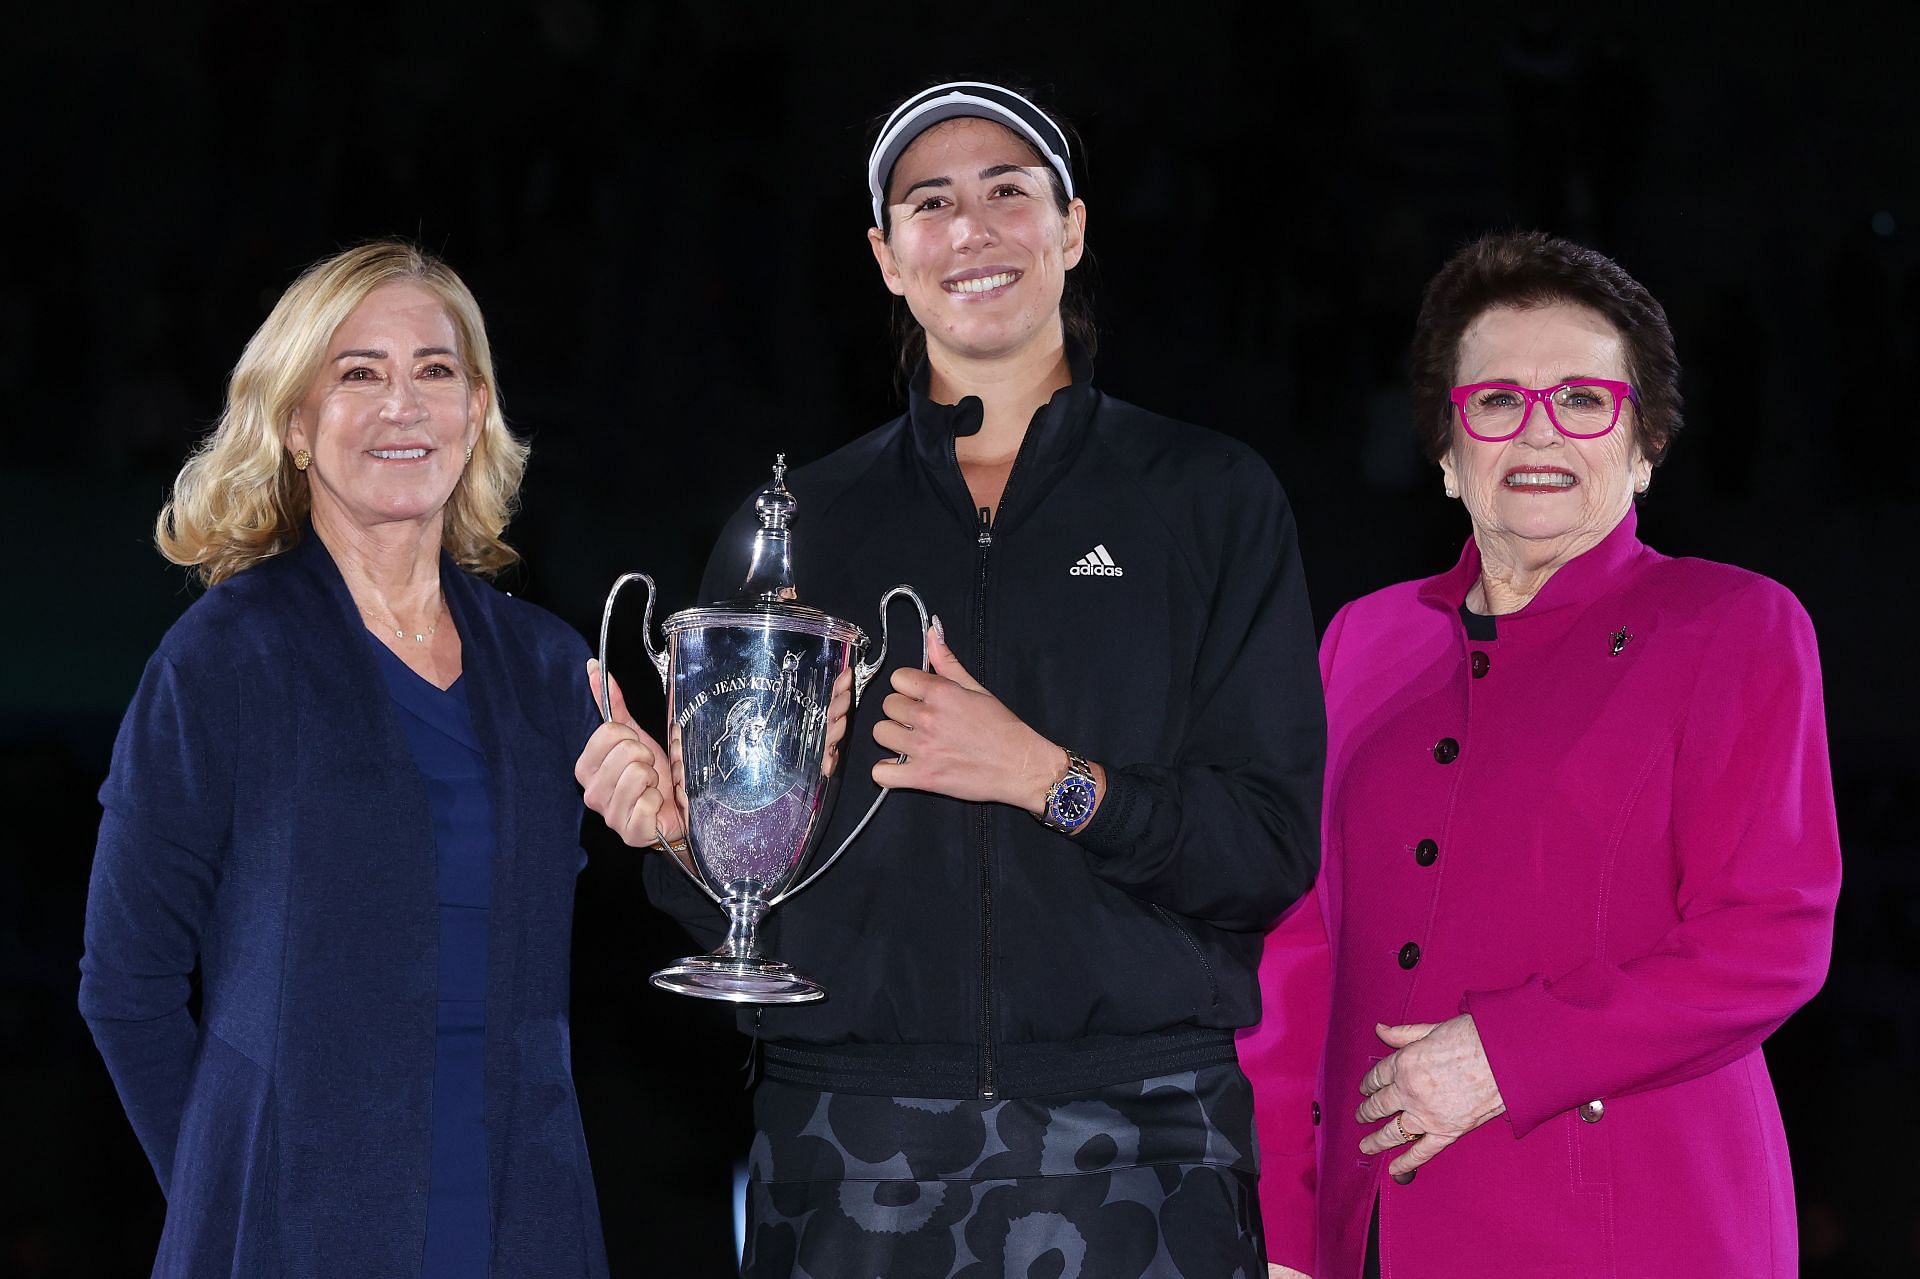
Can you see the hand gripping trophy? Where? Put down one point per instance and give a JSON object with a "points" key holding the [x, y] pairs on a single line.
{"points": [[748, 684]]}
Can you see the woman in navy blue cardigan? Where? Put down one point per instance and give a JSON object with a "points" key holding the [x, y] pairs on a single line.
{"points": [[344, 790]]}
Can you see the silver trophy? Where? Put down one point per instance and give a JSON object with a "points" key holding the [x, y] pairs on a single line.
{"points": [[749, 683]]}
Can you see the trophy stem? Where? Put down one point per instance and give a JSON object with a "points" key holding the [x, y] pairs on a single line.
{"points": [[736, 972], [743, 928]]}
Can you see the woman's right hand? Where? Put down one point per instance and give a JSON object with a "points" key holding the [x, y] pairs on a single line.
{"points": [[621, 772], [1277, 1271]]}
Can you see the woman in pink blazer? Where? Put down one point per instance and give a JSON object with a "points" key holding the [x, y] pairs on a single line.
{"points": [[1580, 849]]}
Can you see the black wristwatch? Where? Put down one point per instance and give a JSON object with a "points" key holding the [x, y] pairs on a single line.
{"points": [[1071, 800]]}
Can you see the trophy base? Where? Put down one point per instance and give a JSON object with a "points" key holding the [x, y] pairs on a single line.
{"points": [[738, 981]]}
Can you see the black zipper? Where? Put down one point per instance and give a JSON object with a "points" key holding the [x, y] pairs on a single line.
{"points": [[983, 818], [983, 543]]}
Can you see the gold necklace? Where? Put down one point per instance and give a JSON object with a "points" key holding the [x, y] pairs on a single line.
{"points": [[400, 633]]}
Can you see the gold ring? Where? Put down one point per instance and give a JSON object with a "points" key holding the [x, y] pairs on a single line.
{"points": [[1401, 1128]]}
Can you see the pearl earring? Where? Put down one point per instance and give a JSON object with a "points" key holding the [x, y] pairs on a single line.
{"points": [[1450, 492], [469, 452]]}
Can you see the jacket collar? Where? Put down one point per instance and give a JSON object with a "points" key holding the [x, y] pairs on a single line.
{"points": [[1578, 582], [1052, 441]]}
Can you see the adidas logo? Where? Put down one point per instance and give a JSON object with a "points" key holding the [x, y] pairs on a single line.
{"points": [[1096, 563]]}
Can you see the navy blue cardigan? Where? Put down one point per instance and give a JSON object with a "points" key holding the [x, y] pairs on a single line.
{"points": [[263, 816]]}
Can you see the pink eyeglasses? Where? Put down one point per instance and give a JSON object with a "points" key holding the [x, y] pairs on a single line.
{"points": [[1584, 410]]}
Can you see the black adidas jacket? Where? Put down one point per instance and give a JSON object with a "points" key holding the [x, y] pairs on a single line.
{"points": [[967, 950]]}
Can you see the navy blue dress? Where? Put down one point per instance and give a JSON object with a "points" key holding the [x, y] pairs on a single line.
{"points": [[439, 729]]}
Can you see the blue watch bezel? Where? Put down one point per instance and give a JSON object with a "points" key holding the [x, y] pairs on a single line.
{"points": [[1064, 791]]}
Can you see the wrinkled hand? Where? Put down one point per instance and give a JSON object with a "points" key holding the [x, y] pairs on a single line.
{"points": [[1438, 1082], [958, 738], [620, 773], [1277, 1271]]}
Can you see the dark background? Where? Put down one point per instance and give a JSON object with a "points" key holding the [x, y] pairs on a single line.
{"points": [[661, 208]]}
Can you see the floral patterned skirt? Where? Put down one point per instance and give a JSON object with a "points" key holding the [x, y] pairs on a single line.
{"points": [[1155, 1178]]}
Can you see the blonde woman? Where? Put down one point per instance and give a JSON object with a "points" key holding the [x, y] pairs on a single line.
{"points": [[344, 792]]}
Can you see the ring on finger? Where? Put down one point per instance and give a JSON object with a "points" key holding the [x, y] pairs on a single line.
{"points": [[1400, 1127]]}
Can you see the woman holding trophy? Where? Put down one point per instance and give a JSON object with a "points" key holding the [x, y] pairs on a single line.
{"points": [[1105, 788]]}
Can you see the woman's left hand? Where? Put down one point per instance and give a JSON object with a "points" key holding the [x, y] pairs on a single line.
{"points": [[1437, 1083], [958, 738]]}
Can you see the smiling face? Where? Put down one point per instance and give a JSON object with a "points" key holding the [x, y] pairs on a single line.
{"points": [[977, 246], [1540, 498], [390, 414]]}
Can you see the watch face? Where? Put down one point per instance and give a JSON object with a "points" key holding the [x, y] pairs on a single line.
{"points": [[1071, 802]]}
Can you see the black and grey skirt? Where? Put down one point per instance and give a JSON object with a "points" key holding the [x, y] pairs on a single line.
{"points": [[1156, 1178]]}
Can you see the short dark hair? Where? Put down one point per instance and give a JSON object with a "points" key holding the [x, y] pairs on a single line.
{"points": [[1076, 293], [1529, 269]]}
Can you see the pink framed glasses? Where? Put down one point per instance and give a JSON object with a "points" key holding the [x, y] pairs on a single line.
{"points": [[1583, 410]]}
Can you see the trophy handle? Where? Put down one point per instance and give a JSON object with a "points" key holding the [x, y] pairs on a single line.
{"points": [[863, 673], [659, 659], [659, 655]]}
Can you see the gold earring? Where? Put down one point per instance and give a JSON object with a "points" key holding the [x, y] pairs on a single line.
{"points": [[302, 460]]}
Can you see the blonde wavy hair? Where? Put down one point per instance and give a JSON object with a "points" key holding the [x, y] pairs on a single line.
{"points": [[239, 500]]}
